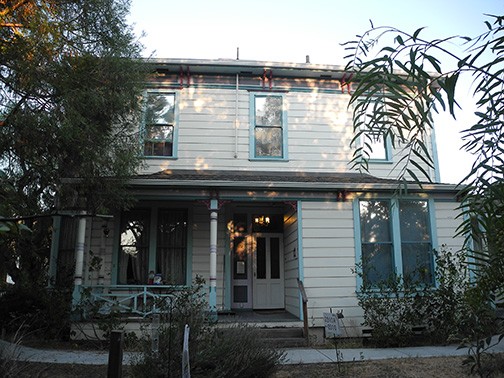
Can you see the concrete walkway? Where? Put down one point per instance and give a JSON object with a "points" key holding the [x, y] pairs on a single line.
{"points": [[293, 356]]}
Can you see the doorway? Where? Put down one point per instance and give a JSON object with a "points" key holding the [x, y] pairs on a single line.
{"points": [[258, 272]]}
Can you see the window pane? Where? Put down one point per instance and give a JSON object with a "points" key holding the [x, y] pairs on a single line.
{"points": [[268, 111], [377, 262], [377, 147], [414, 219], [160, 108], [375, 221], [158, 148], [416, 247], [268, 141], [159, 132], [134, 247], [261, 257], [172, 246], [240, 258], [417, 262], [275, 257]]}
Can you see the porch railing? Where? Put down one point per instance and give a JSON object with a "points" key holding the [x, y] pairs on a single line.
{"points": [[304, 298], [141, 300]]}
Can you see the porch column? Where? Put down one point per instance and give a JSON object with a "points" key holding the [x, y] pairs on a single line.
{"points": [[212, 295], [53, 257], [79, 258]]}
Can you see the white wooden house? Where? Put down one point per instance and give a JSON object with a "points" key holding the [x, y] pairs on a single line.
{"points": [[247, 183]]}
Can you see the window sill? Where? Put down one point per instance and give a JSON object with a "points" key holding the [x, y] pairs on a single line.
{"points": [[268, 159], [380, 161], [161, 157]]}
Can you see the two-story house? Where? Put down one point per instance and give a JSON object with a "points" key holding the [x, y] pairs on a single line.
{"points": [[247, 183]]}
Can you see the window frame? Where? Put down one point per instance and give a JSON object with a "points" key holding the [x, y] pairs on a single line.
{"points": [[253, 126], [395, 224], [175, 125], [154, 220], [385, 139]]}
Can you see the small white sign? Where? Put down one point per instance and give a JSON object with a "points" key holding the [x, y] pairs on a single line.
{"points": [[331, 323]]}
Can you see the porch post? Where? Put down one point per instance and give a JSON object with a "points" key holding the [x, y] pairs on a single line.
{"points": [[53, 257], [212, 295], [79, 259]]}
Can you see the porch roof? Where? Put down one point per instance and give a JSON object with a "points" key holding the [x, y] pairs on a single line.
{"points": [[317, 181]]}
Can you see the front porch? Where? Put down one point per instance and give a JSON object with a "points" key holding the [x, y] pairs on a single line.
{"points": [[141, 308]]}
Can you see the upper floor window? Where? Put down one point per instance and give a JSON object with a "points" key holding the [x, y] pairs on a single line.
{"points": [[395, 238], [377, 146], [268, 127], [159, 133]]}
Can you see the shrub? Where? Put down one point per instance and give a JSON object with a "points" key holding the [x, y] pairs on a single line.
{"points": [[451, 310], [235, 352], [38, 311]]}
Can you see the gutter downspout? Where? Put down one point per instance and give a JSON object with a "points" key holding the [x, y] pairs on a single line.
{"points": [[236, 116]]}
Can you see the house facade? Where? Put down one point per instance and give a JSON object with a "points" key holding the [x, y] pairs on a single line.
{"points": [[247, 183]]}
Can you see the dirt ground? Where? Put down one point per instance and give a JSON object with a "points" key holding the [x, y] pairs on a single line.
{"points": [[394, 368]]}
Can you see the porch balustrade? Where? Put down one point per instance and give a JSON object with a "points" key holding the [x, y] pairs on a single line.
{"points": [[140, 300]]}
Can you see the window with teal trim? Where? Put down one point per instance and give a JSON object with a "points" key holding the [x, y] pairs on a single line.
{"points": [[144, 254], [159, 124], [395, 239], [416, 244], [376, 241], [134, 247], [268, 127], [376, 145]]}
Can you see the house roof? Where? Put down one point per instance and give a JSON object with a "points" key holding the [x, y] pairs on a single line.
{"points": [[248, 67], [315, 181]]}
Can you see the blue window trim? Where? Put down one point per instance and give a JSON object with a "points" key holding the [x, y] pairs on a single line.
{"points": [[285, 150], [174, 155], [396, 230]]}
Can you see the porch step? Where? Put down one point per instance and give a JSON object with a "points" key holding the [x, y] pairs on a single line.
{"points": [[284, 337]]}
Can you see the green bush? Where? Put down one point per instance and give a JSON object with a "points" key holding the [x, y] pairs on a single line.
{"points": [[452, 310], [234, 352], [39, 311]]}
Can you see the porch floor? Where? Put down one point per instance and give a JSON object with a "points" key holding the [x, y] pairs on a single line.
{"points": [[277, 317]]}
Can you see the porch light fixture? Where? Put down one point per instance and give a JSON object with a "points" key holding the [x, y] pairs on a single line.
{"points": [[262, 220]]}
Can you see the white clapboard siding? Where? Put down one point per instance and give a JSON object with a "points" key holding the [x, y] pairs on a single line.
{"points": [[328, 259], [212, 128], [447, 224]]}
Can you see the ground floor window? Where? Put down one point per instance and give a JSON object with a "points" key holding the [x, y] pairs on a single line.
{"points": [[395, 238], [153, 247]]}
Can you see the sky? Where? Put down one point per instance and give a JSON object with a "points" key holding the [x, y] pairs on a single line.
{"points": [[289, 30]]}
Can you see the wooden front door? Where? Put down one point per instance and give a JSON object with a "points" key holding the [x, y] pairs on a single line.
{"points": [[268, 271]]}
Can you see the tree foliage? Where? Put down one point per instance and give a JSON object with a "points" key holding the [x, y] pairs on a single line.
{"points": [[70, 82], [400, 79], [69, 87]]}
